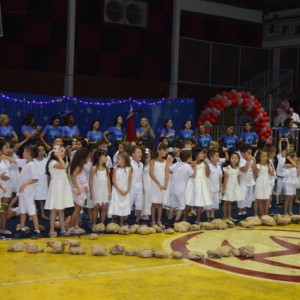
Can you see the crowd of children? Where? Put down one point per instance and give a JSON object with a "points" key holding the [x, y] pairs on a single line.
{"points": [[182, 178]]}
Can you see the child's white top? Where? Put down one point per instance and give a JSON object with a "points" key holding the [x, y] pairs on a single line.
{"points": [[42, 185], [281, 170], [181, 173], [247, 178], [28, 172], [137, 176], [214, 176], [87, 169]]}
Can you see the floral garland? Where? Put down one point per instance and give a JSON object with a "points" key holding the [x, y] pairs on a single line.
{"points": [[249, 103]]}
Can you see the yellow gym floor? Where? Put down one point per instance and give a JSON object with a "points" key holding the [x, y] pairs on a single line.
{"points": [[274, 273]]}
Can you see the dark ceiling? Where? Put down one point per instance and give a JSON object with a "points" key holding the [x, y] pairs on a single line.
{"points": [[264, 5]]}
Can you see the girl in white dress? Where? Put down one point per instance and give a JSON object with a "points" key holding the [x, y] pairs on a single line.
{"points": [[100, 187], [59, 193], [262, 184], [198, 192], [289, 182], [231, 187], [79, 187], [146, 212], [121, 179], [159, 174], [42, 185]]}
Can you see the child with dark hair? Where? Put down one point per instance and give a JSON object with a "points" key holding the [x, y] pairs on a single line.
{"points": [[27, 189], [181, 172], [231, 188], [198, 192], [79, 187], [100, 186], [159, 174]]}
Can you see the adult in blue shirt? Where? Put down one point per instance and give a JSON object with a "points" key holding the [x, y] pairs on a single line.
{"points": [[229, 139], [286, 131], [249, 136], [115, 133], [70, 131], [186, 132], [144, 134], [168, 131], [51, 132], [94, 135], [203, 138], [7, 131], [28, 129]]}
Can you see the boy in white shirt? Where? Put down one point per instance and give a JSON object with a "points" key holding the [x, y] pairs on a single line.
{"points": [[26, 192], [181, 172], [247, 167]]}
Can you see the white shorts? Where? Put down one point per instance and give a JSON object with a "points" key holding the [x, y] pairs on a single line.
{"points": [[177, 201], [8, 192], [215, 201], [248, 195], [137, 199], [279, 185], [26, 206]]}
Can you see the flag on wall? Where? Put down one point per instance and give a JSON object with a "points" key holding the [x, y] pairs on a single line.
{"points": [[130, 133]]}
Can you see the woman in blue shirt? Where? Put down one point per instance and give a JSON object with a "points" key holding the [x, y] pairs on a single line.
{"points": [[186, 132], [51, 132], [203, 138], [28, 130], [249, 136], [168, 131], [144, 133], [286, 131], [115, 133], [229, 139], [7, 131], [70, 131], [94, 135]]}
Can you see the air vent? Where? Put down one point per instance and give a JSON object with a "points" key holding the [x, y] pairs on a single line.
{"points": [[126, 12]]}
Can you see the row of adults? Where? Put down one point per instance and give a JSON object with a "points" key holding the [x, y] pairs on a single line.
{"points": [[116, 133]]}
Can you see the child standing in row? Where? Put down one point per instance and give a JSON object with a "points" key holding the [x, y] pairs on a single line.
{"points": [[215, 180], [262, 187], [100, 187], [59, 194], [137, 187], [159, 173], [247, 167], [181, 172], [121, 179], [198, 192], [290, 180], [231, 187], [79, 187], [42, 185]]}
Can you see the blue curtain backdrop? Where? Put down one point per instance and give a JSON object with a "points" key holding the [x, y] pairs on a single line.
{"points": [[86, 110]]}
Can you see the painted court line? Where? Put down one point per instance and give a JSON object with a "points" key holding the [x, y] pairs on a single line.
{"points": [[91, 274]]}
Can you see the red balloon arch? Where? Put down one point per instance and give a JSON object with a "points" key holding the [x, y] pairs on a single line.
{"points": [[216, 105]]}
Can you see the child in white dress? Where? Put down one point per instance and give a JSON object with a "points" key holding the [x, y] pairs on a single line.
{"points": [[215, 180], [137, 187], [121, 179], [289, 182], [231, 187], [100, 187], [79, 187], [146, 211], [262, 185], [42, 185], [159, 174], [272, 178], [198, 191], [59, 193]]}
